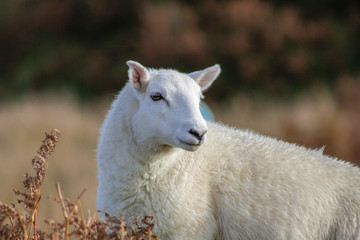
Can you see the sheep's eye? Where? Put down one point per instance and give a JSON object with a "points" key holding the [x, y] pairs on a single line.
{"points": [[156, 97]]}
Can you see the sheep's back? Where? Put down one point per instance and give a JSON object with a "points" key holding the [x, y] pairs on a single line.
{"points": [[283, 189]]}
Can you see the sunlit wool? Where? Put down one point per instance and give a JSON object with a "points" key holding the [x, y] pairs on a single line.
{"points": [[203, 180]]}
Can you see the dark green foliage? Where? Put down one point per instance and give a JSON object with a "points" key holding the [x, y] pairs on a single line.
{"points": [[274, 46]]}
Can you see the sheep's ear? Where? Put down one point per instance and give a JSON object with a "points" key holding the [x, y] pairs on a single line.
{"points": [[206, 77], [138, 75]]}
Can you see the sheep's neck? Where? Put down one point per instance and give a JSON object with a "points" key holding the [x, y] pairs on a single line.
{"points": [[148, 153]]}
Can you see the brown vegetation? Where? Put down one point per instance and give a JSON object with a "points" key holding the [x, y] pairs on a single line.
{"points": [[22, 224]]}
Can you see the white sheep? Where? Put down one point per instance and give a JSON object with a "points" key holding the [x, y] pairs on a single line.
{"points": [[153, 159]]}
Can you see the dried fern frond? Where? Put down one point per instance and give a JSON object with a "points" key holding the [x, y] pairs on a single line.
{"points": [[16, 225], [40, 162], [23, 226]]}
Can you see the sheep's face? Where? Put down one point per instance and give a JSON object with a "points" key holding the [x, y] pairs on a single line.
{"points": [[169, 106]]}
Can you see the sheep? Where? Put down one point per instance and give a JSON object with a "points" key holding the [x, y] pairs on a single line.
{"points": [[204, 180]]}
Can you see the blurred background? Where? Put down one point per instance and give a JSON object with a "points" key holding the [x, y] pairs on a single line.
{"points": [[290, 69]]}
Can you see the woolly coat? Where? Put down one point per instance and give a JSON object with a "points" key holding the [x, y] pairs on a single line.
{"points": [[237, 185]]}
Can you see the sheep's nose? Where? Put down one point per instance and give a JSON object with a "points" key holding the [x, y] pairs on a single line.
{"points": [[198, 134]]}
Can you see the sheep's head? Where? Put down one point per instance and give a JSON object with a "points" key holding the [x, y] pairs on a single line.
{"points": [[169, 105]]}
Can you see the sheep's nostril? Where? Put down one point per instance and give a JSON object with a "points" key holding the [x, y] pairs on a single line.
{"points": [[197, 134]]}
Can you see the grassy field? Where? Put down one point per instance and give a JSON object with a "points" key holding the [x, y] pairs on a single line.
{"points": [[314, 119]]}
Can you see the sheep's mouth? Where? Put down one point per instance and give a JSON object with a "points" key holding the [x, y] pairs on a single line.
{"points": [[191, 144]]}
